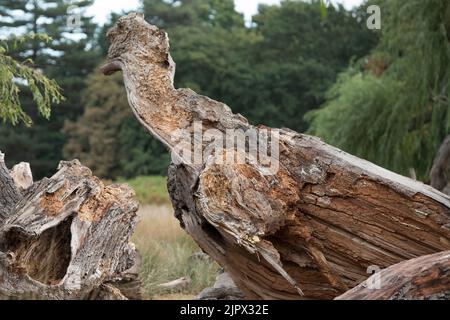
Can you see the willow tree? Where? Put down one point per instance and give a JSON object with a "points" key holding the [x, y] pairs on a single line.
{"points": [[393, 106]]}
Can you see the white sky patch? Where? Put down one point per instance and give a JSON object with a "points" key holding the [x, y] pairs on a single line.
{"points": [[349, 4], [250, 7], [102, 8]]}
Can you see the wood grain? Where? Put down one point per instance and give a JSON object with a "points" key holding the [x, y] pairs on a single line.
{"points": [[67, 237]]}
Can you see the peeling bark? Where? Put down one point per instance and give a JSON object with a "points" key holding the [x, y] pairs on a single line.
{"points": [[308, 231], [67, 237], [10, 193]]}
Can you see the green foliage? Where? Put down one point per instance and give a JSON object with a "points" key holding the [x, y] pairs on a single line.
{"points": [[150, 189], [296, 60], [273, 73], [68, 59], [395, 111], [371, 95], [45, 92], [108, 139], [200, 13], [323, 7]]}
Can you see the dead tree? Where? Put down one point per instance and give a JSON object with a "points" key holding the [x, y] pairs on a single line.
{"points": [[309, 229], [425, 277], [66, 237]]}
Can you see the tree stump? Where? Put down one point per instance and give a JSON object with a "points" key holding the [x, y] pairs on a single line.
{"points": [[310, 230], [66, 237]]}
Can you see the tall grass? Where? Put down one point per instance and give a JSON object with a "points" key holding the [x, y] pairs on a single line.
{"points": [[167, 253], [150, 190]]}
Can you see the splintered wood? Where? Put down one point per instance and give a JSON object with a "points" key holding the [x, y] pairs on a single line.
{"points": [[66, 237]]}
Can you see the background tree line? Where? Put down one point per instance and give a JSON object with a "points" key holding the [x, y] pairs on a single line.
{"points": [[392, 106], [381, 95]]}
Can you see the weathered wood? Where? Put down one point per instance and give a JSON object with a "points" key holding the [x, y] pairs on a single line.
{"points": [[176, 285], [22, 176], [10, 195], [313, 226], [224, 289], [66, 237], [425, 278]]}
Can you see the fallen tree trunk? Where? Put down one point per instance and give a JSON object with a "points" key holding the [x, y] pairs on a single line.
{"points": [[67, 237], [426, 277], [310, 229], [349, 216]]}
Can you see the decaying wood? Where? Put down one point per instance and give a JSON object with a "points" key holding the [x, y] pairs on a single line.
{"points": [[309, 230], [176, 285], [422, 278], [10, 195], [67, 237], [224, 289], [22, 176]]}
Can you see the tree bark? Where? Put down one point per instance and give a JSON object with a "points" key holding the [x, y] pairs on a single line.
{"points": [[9, 193], [67, 237], [348, 216], [424, 278], [309, 230]]}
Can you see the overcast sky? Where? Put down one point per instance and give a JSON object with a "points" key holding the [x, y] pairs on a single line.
{"points": [[102, 8]]}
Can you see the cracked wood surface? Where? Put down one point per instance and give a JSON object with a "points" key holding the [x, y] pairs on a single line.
{"points": [[67, 237], [10, 193], [425, 277], [309, 231]]}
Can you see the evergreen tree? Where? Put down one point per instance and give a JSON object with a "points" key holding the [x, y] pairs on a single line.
{"points": [[68, 58], [272, 73], [119, 147], [44, 91], [108, 139], [298, 58]]}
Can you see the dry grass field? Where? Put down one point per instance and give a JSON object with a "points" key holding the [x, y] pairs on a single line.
{"points": [[167, 253]]}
